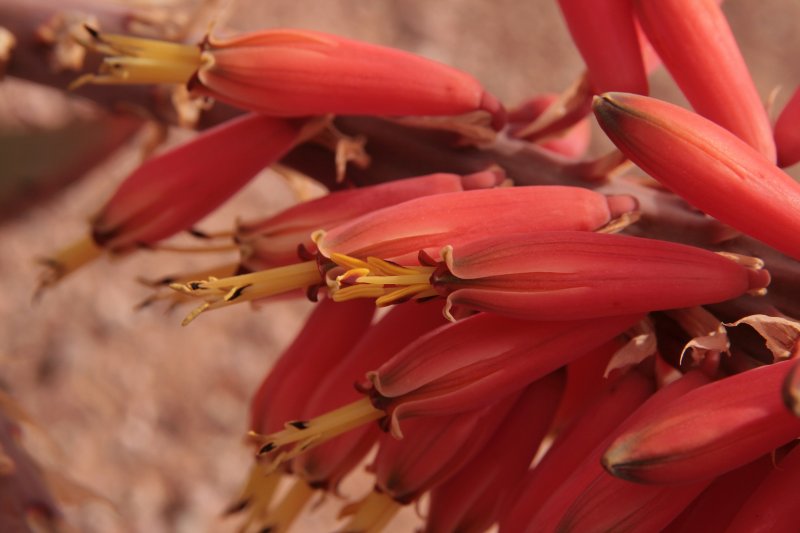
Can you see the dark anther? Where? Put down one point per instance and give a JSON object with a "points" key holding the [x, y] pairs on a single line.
{"points": [[268, 447], [299, 424], [195, 285], [200, 234], [236, 293]]}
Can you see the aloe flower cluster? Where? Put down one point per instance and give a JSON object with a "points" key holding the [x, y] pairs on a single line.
{"points": [[509, 332]]}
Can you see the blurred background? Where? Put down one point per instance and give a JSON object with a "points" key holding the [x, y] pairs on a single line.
{"points": [[150, 415]]}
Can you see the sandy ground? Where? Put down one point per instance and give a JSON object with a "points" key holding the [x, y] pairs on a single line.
{"points": [[151, 415]]}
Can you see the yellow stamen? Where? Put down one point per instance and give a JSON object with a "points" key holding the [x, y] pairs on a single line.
{"points": [[375, 278], [176, 298], [310, 433], [348, 262], [68, 260], [358, 291], [257, 493], [247, 287], [372, 514], [280, 519], [423, 290], [138, 60]]}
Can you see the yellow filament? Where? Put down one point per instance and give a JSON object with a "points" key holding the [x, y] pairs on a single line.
{"points": [[358, 291], [68, 260], [137, 60], [348, 262], [319, 430], [280, 519], [412, 291], [247, 287], [257, 494], [373, 513]]}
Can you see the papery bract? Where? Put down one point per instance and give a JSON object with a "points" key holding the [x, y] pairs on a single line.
{"points": [[708, 166]]}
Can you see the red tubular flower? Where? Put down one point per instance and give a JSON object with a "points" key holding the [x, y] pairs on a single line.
{"points": [[172, 191], [433, 222], [473, 499], [324, 466], [399, 232], [330, 332], [576, 275], [436, 448], [286, 72], [694, 41], [716, 507], [549, 514], [787, 132], [462, 366], [274, 241], [604, 32], [602, 414], [707, 432], [773, 505], [456, 368], [706, 165]]}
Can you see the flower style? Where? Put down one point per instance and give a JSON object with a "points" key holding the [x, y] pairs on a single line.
{"points": [[291, 73]]}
